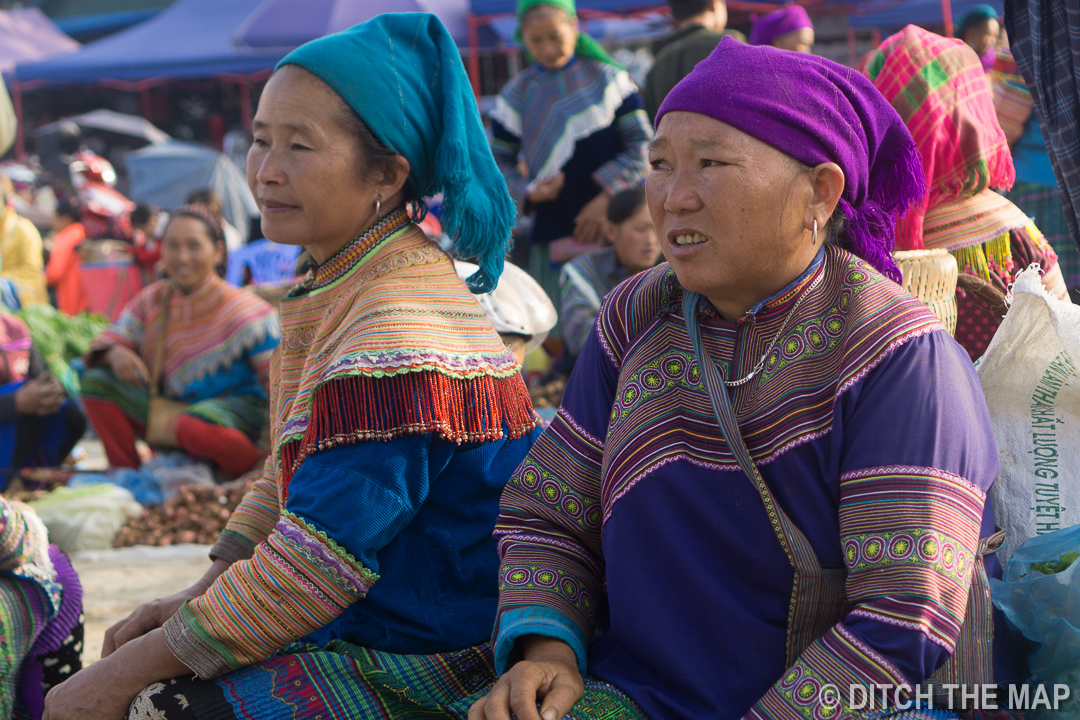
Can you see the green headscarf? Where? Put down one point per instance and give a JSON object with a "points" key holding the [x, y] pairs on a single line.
{"points": [[403, 75], [586, 47]]}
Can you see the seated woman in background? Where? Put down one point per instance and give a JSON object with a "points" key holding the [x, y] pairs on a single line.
{"points": [[211, 344], [788, 28], [39, 425], [965, 154], [587, 279], [41, 623]]}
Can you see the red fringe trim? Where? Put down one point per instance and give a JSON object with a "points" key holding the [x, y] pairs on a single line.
{"points": [[359, 408]]}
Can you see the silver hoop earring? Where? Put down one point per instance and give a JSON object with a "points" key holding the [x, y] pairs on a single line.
{"points": [[378, 208], [813, 240]]}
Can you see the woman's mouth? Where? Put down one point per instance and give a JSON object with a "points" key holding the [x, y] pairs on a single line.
{"points": [[689, 239]]}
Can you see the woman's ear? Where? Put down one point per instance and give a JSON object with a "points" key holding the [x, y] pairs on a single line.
{"points": [[827, 181], [395, 177]]}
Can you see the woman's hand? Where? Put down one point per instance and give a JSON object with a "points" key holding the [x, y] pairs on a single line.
{"points": [[104, 690], [42, 396], [97, 692], [548, 674], [547, 190], [589, 223], [128, 366], [152, 615]]}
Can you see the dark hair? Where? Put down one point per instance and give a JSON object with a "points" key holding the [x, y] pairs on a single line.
{"points": [[686, 9], [374, 159], [203, 196], [215, 229], [142, 214], [625, 203], [69, 207]]}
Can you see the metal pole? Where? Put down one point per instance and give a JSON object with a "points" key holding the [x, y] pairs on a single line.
{"points": [[946, 16], [474, 54], [20, 123], [245, 104]]}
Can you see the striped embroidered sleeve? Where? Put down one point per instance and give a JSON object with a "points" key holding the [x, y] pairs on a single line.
{"points": [[320, 558], [919, 458], [631, 165], [552, 571], [910, 537], [252, 521]]}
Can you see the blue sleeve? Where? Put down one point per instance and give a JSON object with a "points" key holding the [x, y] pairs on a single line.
{"points": [[363, 495]]}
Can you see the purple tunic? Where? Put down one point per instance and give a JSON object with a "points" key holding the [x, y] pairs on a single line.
{"points": [[630, 515]]}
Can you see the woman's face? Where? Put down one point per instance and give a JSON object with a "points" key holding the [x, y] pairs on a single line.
{"points": [[635, 241], [303, 167], [191, 255], [549, 35], [801, 40], [983, 36], [729, 209]]}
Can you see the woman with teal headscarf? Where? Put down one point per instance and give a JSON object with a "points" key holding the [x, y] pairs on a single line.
{"points": [[359, 577], [577, 120]]}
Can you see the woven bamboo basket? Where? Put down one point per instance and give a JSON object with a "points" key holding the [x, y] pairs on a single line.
{"points": [[930, 275]]}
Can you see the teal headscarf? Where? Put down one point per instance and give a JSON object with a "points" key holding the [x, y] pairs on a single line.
{"points": [[585, 47], [403, 75]]}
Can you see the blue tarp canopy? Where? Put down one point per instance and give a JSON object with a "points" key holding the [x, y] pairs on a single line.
{"points": [[190, 39], [164, 174], [895, 14]]}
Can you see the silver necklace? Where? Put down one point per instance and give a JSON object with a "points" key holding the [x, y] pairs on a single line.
{"points": [[779, 334]]}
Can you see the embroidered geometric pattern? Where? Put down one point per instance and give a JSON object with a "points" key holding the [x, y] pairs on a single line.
{"points": [[928, 552], [838, 659], [554, 558], [209, 329], [845, 329]]}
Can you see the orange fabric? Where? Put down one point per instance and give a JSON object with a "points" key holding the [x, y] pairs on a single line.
{"points": [[63, 271]]}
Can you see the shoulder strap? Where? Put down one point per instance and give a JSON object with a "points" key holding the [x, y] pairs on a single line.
{"points": [[796, 546], [159, 345]]}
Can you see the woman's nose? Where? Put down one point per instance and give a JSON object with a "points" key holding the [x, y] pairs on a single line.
{"points": [[268, 168], [681, 196]]}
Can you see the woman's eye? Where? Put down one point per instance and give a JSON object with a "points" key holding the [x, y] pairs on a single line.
{"points": [[711, 163], [656, 164], [260, 142], [298, 146]]}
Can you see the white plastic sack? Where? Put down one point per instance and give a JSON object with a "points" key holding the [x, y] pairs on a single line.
{"points": [[1029, 376], [86, 517]]}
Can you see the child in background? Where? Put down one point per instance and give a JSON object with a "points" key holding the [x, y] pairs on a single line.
{"points": [[587, 279], [577, 121]]}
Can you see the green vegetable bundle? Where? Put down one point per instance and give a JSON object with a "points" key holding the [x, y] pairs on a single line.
{"points": [[60, 338]]}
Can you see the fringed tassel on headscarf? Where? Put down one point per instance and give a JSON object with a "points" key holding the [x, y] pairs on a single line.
{"points": [[359, 408], [478, 219], [871, 229]]}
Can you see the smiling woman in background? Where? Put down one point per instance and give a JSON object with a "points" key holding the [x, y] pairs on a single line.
{"points": [[209, 345]]}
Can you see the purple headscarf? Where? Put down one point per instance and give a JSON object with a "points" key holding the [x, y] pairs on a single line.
{"points": [[779, 22], [817, 112]]}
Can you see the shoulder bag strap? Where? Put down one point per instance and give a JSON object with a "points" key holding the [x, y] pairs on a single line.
{"points": [[159, 344], [817, 598]]}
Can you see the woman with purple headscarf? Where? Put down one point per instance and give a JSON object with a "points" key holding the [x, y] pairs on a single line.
{"points": [[767, 481], [788, 28]]}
